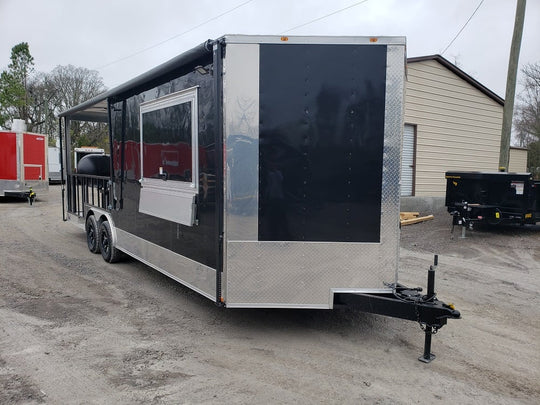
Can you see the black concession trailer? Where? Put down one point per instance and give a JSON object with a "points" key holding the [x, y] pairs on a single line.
{"points": [[260, 171], [492, 198]]}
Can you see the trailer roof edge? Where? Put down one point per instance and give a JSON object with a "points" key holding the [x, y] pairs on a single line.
{"points": [[313, 39], [95, 109]]}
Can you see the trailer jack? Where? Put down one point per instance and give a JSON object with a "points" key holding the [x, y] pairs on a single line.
{"points": [[462, 216], [406, 303]]}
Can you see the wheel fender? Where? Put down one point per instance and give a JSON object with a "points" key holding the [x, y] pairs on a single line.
{"points": [[103, 216]]}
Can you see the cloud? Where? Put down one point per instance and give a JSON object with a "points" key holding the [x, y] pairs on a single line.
{"points": [[94, 34]]}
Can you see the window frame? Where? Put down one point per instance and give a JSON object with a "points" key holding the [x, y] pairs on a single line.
{"points": [[189, 95]]}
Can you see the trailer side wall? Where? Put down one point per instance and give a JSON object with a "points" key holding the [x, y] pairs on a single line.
{"points": [[185, 252]]}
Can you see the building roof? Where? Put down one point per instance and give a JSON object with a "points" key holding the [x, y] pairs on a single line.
{"points": [[460, 73]]}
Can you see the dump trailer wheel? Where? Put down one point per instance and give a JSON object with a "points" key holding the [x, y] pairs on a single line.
{"points": [[92, 232], [108, 250]]}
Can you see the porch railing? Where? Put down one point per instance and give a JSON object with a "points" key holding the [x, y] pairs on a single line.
{"points": [[84, 190]]}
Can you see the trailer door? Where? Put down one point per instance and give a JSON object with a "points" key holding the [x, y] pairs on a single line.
{"points": [[34, 157]]}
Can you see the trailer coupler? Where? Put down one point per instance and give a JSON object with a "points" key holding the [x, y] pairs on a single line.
{"points": [[462, 216], [406, 303]]}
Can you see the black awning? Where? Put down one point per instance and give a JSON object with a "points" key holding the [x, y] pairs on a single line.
{"points": [[95, 109]]}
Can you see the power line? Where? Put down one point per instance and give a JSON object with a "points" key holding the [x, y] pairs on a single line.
{"points": [[462, 28], [327, 15], [175, 36]]}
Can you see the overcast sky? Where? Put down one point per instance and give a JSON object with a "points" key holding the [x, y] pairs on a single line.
{"points": [[102, 34]]}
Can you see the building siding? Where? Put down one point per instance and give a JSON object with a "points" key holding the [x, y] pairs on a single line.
{"points": [[518, 160], [458, 126]]}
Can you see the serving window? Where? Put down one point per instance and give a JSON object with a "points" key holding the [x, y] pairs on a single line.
{"points": [[169, 158]]}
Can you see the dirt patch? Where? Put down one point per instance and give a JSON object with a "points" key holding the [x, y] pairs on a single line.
{"points": [[15, 388], [74, 329]]}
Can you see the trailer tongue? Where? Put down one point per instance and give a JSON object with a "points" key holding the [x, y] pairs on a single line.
{"points": [[260, 171], [407, 303]]}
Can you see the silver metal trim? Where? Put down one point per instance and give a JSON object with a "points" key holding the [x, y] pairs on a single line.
{"points": [[306, 39], [393, 134], [277, 305], [20, 152], [288, 242], [184, 270], [361, 290], [240, 118]]}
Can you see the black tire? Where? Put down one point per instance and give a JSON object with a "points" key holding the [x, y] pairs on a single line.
{"points": [[108, 250], [92, 238]]}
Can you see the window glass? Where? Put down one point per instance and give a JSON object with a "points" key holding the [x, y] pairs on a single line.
{"points": [[167, 143]]}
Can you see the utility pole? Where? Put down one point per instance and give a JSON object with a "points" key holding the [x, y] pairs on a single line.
{"points": [[508, 111]]}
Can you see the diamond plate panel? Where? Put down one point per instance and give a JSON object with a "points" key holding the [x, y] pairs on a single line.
{"points": [[302, 273], [393, 132]]}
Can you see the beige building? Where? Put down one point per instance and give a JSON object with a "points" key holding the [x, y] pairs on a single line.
{"points": [[452, 122], [517, 162]]}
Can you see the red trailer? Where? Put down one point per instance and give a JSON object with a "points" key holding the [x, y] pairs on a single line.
{"points": [[23, 163]]}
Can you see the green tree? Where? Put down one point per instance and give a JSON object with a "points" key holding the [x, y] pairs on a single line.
{"points": [[37, 98], [14, 95]]}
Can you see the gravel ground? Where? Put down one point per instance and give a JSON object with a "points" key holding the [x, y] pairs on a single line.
{"points": [[74, 329]]}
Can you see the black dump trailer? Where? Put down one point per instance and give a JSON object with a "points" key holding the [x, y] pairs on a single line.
{"points": [[492, 198], [261, 172]]}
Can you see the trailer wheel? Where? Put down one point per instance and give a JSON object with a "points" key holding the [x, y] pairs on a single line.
{"points": [[92, 229], [108, 251]]}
